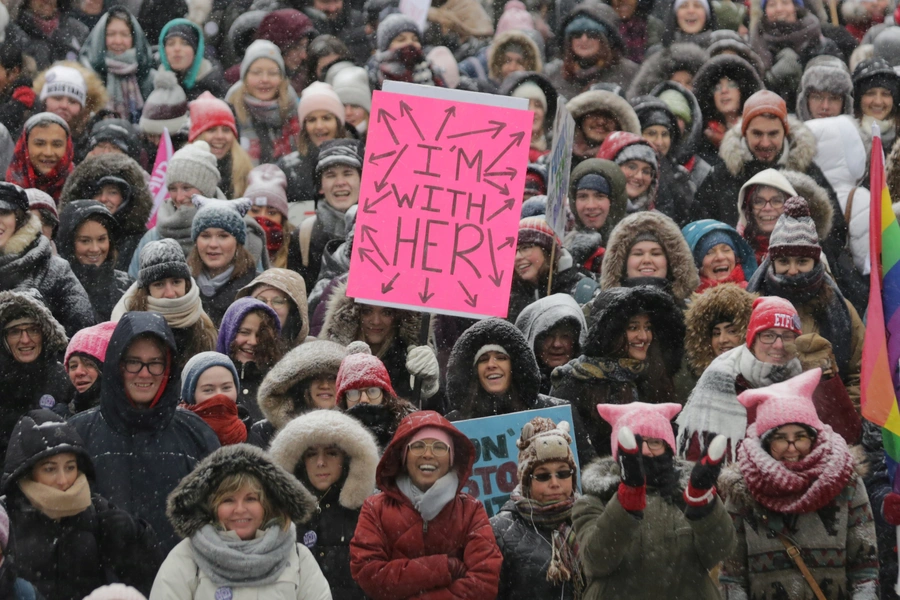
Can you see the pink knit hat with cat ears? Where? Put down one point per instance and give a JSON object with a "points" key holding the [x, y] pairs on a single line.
{"points": [[91, 341], [790, 401], [646, 420]]}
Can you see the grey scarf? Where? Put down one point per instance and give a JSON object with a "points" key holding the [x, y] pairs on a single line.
{"points": [[175, 223], [432, 502], [233, 562], [210, 286], [331, 220]]}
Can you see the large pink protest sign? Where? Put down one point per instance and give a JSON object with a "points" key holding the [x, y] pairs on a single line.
{"points": [[439, 205]]}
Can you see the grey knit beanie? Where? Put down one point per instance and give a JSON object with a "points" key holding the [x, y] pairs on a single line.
{"points": [[642, 152], [166, 107], [162, 259], [261, 49], [339, 152], [222, 214], [392, 26], [195, 165], [352, 86], [795, 232]]}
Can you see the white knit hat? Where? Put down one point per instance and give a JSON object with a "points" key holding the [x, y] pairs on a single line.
{"points": [[261, 49], [64, 81], [320, 96], [166, 107], [195, 165], [351, 84]]}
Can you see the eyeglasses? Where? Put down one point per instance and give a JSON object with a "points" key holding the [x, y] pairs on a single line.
{"points": [[274, 302], [438, 449], [731, 85], [373, 393], [135, 366], [767, 337], [777, 202], [780, 442], [14, 334], [655, 443], [545, 477]]}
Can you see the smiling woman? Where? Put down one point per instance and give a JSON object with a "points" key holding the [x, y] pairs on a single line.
{"points": [[43, 155]]}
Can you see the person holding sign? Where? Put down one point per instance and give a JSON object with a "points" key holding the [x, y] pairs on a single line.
{"points": [[641, 532], [421, 537], [534, 528]]}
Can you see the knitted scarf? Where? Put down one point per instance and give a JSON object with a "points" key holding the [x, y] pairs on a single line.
{"points": [[888, 128], [175, 223], [22, 173], [179, 313], [634, 34], [796, 487], [431, 502], [121, 82], [622, 370], [736, 276], [233, 562], [54, 503], [265, 120], [221, 414], [713, 406], [557, 516], [210, 286], [408, 64]]}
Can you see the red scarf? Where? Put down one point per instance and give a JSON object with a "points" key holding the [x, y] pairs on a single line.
{"points": [[736, 276], [760, 244], [274, 234], [801, 487], [221, 414], [22, 173]]}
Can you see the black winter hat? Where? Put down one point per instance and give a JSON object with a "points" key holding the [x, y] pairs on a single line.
{"points": [[871, 73], [162, 259], [653, 111], [118, 132], [12, 197], [73, 214]]}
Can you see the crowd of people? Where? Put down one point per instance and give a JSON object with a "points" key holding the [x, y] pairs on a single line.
{"points": [[191, 405]]}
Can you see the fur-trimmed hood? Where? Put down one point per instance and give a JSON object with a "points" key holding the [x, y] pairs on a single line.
{"points": [[24, 237], [600, 100], [331, 428], [342, 320], [682, 271], [735, 153], [539, 317], [188, 504], [660, 66], [725, 41], [131, 218], [820, 208], [618, 199], [829, 74], [278, 395], [602, 477], [601, 13], [514, 80], [16, 305], [725, 302], [502, 43], [892, 174], [461, 371], [734, 68], [684, 150]]}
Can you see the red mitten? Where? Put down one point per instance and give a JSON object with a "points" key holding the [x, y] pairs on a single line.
{"points": [[702, 487], [633, 489], [24, 95], [891, 509]]}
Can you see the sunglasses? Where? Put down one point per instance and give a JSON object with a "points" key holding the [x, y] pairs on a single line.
{"points": [[545, 477]]}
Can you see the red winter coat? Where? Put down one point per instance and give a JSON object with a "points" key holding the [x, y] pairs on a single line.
{"points": [[394, 554]]}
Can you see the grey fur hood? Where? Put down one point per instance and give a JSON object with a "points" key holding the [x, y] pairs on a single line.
{"points": [[188, 504], [820, 208], [655, 69], [501, 42], [735, 153], [602, 477], [278, 395], [542, 315], [16, 305], [331, 428], [594, 100], [342, 316], [828, 75], [682, 270]]}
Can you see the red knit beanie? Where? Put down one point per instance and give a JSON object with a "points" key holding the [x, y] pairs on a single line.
{"points": [[360, 371], [207, 112], [769, 312]]}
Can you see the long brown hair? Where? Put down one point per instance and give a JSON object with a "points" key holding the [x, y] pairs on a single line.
{"points": [[243, 262], [269, 348]]}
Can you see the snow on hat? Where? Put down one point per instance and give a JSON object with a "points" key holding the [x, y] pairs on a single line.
{"points": [[705, 4], [319, 96], [646, 420], [207, 112], [166, 107], [162, 259], [769, 312], [234, 316], [515, 17], [359, 371], [795, 232], [531, 90], [196, 166], [782, 403], [42, 201], [12, 197], [392, 26], [534, 231], [198, 365], [261, 49], [434, 433], [285, 27], [222, 214], [267, 186], [678, 104], [637, 151], [488, 348], [764, 102], [64, 81], [45, 118], [338, 152], [115, 591], [91, 341], [351, 85], [118, 132], [543, 441]]}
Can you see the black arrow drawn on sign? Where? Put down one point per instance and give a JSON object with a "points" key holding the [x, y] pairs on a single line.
{"points": [[495, 278], [509, 242], [379, 185], [385, 288], [504, 189], [516, 141], [424, 296], [368, 231], [374, 158], [386, 118], [451, 112], [507, 205], [497, 128], [472, 300], [406, 110], [508, 172], [364, 256], [368, 204]]}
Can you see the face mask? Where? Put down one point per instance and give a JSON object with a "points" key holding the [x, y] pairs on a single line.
{"points": [[274, 233]]}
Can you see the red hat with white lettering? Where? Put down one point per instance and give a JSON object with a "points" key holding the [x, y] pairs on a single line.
{"points": [[769, 312]]}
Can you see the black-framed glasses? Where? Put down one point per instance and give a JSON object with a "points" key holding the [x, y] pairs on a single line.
{"points": [[801, 441], [768, 337], [545, 477], [14, 334], [777, 202], [438, 449], [135, 366]]}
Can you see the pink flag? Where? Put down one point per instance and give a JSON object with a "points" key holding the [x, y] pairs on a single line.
{"points": [[158, 188]]}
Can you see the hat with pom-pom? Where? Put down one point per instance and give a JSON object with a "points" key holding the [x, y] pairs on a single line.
{"points": [[221, 214], [646, 420], [790, 401], [207, 112], [267, 186], [116, 591], [361, 370], [166, 107], [195, 165], [795, 232], [515, 17], [91, 342], [543, 441]]}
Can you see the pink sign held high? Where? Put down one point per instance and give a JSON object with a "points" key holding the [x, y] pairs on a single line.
{"points": [[439, 205]]}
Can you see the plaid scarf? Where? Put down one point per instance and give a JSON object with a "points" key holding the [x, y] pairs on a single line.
{"points": [[22, 173], [564, 563]]}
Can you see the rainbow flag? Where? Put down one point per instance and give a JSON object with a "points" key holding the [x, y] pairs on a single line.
{"points": [[881, 351]]}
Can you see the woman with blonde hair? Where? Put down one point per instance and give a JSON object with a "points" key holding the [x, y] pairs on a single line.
{"points": [[213, 121]]}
